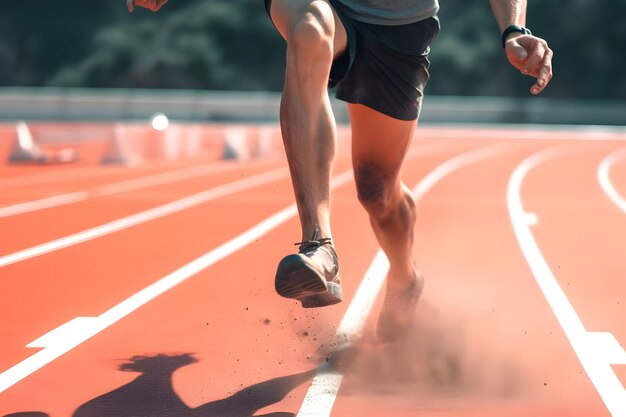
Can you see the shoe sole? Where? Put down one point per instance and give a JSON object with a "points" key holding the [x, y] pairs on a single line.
{"points": [[297, 279]]}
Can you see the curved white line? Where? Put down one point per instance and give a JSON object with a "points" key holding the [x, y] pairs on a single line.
{"points": [[604, 178], [322, 393], [597, 351]]}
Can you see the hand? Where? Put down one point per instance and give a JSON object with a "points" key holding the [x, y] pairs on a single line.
{"points": [[532, 56], [153, 5]]}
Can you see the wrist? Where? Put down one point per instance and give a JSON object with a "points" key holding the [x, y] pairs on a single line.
{"points": [[514, 31]]}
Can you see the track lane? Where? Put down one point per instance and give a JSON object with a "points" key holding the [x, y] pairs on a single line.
{"points": [[52, 224], [134, 256], [81, 192], [215, 386], [340, 201], [485, 342], [574, 215], [50, 175], [573, 219], [322, 394], [221, 304]]}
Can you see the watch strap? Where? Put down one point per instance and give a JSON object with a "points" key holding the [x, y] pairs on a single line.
{"points": [[514, 28]]}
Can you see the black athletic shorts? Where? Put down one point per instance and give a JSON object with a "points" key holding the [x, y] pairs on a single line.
{"points": [[384, 67]]}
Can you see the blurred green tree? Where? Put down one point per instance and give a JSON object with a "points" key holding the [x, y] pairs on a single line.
{"points": [[587, 37], [212, 45], [231, 44], [36, 39]]}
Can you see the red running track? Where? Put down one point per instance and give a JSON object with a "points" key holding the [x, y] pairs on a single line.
{"points": [[156, 299]]}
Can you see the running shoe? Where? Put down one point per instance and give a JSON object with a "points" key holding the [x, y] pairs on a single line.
{"points": [[311, 276]]}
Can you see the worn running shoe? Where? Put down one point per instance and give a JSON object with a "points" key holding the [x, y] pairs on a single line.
{"points": [[311, 276]]}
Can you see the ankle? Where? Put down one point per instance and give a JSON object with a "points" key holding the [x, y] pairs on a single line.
{"points": [[405, 280]]}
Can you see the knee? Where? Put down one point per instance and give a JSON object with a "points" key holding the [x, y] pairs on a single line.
{"points": [[374, 189], [312, 34], [382, 196]]}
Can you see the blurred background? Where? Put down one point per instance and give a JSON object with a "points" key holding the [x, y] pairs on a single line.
{"points": [[195, 53]]}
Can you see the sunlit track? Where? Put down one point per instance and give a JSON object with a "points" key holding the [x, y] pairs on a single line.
{"points": [[145, 216], [116, 188], [51, 177], [64, 338], [597, 351], [604, 178], [99, 323], [60, 340], [325, 386]]}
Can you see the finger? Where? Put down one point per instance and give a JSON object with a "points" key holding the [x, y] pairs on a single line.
{"points": [[545, 69], [130, 4], [544, 76], [535, 57]]}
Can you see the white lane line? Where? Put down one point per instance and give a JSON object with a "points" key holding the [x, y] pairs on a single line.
{"points": [[43, 203], [324, 388], [145, 216], [597, 351], [604, 178], [116, 188], [71, 334]]}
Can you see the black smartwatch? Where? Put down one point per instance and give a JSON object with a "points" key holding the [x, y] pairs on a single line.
{"points": [[514, 28]]}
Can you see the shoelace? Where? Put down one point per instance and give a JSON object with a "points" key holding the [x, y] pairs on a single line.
{"points": [[314, 243]]}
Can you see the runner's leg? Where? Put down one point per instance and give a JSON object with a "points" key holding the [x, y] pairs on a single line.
{"points": [[315, 36], [379, 145]]}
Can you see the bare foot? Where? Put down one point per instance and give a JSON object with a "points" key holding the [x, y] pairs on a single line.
{"points": [[396, 317]]}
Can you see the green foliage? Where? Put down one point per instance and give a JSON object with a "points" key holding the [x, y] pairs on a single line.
{"points": [[587, 38], [206, 44], [36, 39], [231, 44]]}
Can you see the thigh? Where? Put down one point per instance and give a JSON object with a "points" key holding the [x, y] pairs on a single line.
{"points": [[379, 142], [286, 14]]}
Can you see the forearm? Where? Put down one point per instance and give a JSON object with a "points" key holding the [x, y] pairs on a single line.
{"points": [[509, 12], [526, 52]]}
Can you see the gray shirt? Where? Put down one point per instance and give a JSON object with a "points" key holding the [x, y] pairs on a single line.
{"points": [[390, 12]]}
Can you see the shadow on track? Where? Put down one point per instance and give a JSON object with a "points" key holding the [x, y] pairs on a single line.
{"points": [[151, 394]]}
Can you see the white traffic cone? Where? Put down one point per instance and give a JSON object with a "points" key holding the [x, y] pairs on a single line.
{"points": [[25, 149], [115, 151], [236, 144]]}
